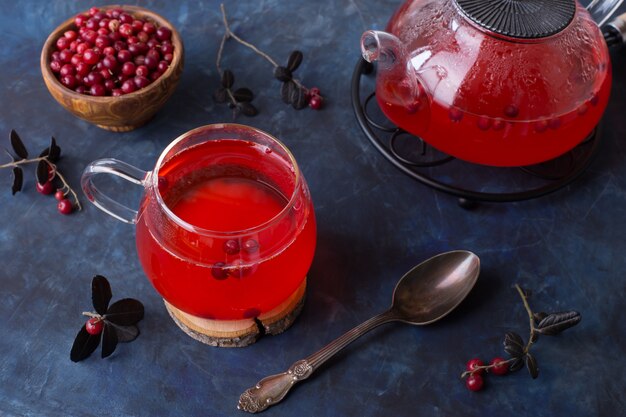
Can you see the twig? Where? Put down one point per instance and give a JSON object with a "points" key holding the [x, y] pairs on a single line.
{"points": [[531, 337]]}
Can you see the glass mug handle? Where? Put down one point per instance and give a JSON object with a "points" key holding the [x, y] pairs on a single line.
{"points": [[104, 202]]}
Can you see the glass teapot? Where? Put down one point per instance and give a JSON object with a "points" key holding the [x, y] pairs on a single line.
{"points": [[494, 82]]}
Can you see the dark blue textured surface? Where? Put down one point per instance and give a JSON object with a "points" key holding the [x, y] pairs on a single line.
{"points": [[373, 222]]}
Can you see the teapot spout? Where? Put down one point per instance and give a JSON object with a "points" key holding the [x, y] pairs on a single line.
{"points": [[396, 78], [383, 48]]}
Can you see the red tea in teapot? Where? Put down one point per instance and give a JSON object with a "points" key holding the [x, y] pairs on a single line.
{"points": [[247, 238], [492, 81]]}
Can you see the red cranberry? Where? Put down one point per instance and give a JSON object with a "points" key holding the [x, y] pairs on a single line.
{"points": [[80, 20], [126, 18], [62, 43], [219, 270], [238, 269], [93, 11], [137, 25], [67, 69], [472, 364], [455, 114], [500, 367], [102, 42], [150, 62], [142, 71], [47, 188], [167, 48], [70, 35], [163, 34], [124, 56], [251, 246], [129, 68], [56, 66], [315, 102], [90, 36], [110, 62], [91, 24], [162, 66], [128, 86], [90, 57], [314, 91], [511, 111], [141, 82], [484, 123], [65, 206], [231, 246], [143, 36], [76, 59], [65, 56], [81, 89], [116, 92], [149, 28], [69, 81], [126, 29], [82, 69], [474, 382], [93, 78], [59, 195], [98, 90], [82, 47], [94, 326]]}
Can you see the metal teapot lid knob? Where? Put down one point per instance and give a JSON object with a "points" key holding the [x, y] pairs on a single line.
{"points": [[527, 19]]}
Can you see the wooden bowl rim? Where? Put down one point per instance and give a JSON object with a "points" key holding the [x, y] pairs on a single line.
{"points": [[135, 11]]}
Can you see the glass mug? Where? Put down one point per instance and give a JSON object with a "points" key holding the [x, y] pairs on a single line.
{"points": [[225, 229]]}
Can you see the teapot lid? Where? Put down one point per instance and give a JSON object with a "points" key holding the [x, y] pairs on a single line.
{"points": [[527, 19]]}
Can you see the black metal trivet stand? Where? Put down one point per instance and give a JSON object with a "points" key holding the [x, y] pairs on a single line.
{"points": [[419, 160]]}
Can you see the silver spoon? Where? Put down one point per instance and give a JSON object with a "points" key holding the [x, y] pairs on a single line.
{"points": [[423, 295]]}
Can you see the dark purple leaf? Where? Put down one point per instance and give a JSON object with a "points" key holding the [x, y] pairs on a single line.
{"points": [[531, 364], [248, 109], [18, 145], [539, 316], [555, 323], [18, 180], [220, 95], [298, 98], [516, 365], [84, 345], [126, 333], [295, 59], [109, 340], [125, 312], [55, 151], [282, 74], [100, 294], [513, 344], [42, 172], [286, 91], [228, 79], [243, 95]]}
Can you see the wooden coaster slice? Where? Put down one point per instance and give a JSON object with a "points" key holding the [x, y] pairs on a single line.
{"points": [[240, 333]]}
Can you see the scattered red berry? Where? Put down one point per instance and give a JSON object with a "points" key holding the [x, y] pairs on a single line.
{"points": [[94, 326], [65, 206], [101, 45], [46, 189], [59, 195], [315, 102], [472, 364], [474, 382], [499, 366]]}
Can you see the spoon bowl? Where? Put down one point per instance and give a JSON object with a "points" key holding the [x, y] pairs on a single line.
{"points": [[425, 294], [434, 288]]}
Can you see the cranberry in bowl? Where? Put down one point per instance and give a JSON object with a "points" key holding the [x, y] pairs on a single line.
{"points": [[113, 66]]}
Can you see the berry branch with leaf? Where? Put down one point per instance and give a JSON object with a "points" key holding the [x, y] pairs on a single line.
{"points": [[292, 90], [546, 324], [47, 173]]}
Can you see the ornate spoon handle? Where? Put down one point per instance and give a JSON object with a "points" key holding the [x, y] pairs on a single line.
{"points": [[272, 389]]}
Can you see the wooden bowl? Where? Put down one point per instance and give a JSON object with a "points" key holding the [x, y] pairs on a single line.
{"points": [[126, 112]]}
